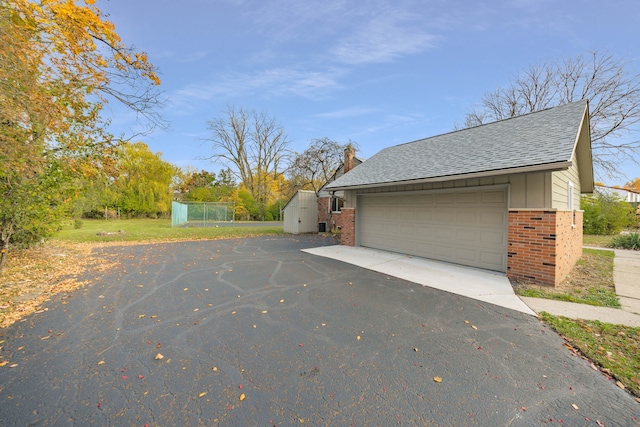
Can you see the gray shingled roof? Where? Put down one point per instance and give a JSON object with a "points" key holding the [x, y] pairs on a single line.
{"points": [[540, 139]]}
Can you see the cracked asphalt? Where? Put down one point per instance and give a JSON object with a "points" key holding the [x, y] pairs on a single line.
{"points": [[254, 332]]}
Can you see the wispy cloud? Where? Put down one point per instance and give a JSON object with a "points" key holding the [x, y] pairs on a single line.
{"points": [[307, 49], [271, 82], [348, 32], [347, 112], [384, 38]]}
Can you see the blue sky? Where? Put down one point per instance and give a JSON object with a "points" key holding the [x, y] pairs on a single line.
{"points": [[378, 72]]}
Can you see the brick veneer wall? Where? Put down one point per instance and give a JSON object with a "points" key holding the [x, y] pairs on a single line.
{"points": [[569, 242], [333, 220], [348, 231], [323, 211], [543, 246]]}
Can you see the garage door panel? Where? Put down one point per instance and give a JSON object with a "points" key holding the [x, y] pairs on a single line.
{"points": [[468, 198], [466, 236], [497, 197], [466, 256], [493, 238], [467, 227], [443, 198], [492, 258]]}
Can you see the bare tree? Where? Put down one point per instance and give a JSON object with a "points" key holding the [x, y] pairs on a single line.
{"points": [[613, 94], [317, 164], [253, 145]]}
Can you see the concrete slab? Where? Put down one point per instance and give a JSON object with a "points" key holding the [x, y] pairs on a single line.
{"points": [[474, 283], [626, 276], [583, 311], [631, 305]]}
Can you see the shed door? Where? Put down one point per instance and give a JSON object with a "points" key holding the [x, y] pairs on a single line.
{"points": [[465, 227]]}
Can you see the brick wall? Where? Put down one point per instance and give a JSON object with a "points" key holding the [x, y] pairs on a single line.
{"points": [[332, 219], [348, 223], [568, 241], [543, 246], [323, 211]]}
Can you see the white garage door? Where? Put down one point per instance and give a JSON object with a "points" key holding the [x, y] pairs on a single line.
{"points": [[465, 227]]}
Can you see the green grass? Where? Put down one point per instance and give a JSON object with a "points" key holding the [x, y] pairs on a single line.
{"points": [[590, 282], [593, 296], [154, 229], [599, 241], [615, 348]]}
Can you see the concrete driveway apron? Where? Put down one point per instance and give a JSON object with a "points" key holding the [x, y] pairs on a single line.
{"points": [[256, 332]]}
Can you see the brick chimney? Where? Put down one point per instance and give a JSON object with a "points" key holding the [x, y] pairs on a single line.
{"points": [[349, 154]]}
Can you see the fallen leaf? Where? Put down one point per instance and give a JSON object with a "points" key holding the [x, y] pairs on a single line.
{"points": [[466, 321], [196, 309], [153, 317], [233, 312], [358, 337], [619, 384], [140, 316], [474, 327], [101, 362], [141, 377], [20, 348], [13, 365], [575, 406], [281, 300], [158, 345], [3, 363], [599, 423], [214, 369], [159, 356], [437, 379], [242, 397], [415, 349], [185, 289], [301, 345], [203, 394], [264, 311], [124, 377], [45, 338]]}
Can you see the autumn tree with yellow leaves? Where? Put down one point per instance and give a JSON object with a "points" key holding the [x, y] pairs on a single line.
{"points": [[60, 63]]}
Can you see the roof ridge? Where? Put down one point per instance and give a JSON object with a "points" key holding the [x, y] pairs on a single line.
{"points": [[581, 101]]}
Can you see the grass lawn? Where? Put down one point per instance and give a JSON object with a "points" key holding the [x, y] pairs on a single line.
{"points": [[136, 230], [598, 241], [615, 348], [590, 282]]}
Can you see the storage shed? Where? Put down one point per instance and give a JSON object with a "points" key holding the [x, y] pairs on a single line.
{"points": [[301, 213]]}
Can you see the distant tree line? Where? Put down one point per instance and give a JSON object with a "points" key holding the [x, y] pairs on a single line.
{"points": [[62, 62]]}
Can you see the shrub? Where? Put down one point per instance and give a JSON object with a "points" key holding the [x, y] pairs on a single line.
{"points": [[627, 241], [77, 224], [606, 214]]}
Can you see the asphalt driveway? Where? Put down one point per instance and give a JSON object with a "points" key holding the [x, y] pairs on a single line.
{"points": [[255, 332]]}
